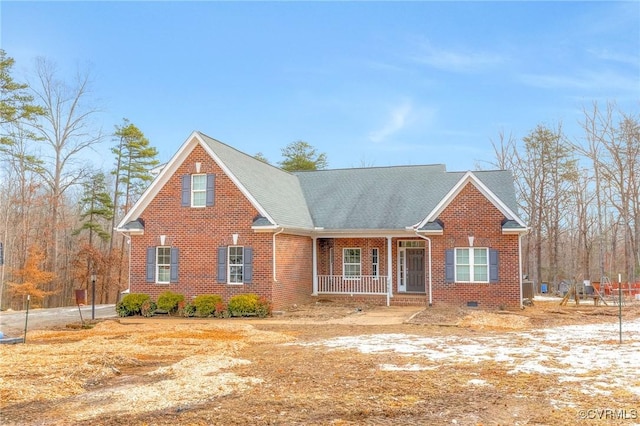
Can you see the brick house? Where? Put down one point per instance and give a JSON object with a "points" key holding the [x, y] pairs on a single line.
{"points": [[218, 221]]}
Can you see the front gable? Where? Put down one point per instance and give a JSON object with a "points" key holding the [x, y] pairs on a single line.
{"points": [[198, 153], [432, 222]]}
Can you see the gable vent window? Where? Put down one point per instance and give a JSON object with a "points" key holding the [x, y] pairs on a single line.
{"points": [[198, 190]]}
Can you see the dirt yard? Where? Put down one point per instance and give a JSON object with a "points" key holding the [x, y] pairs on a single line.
{"points": [[332, 365]]}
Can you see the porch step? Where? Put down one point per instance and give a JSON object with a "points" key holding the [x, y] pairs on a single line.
{"points": [[409, 300], [396, 300]]}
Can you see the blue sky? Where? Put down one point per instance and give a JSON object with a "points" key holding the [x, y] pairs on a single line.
{"points": [[368, 83]]}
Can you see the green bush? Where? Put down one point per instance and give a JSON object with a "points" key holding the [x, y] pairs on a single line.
{"points": [[122, 311], [131, 304], [249, 304], [168, 301], [188, 310], [206, 304]]}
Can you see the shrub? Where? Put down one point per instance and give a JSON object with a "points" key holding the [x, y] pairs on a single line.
{"points": [[249, 304], [148, 308], [131, 304], [188, 310], [122, 311], [221, 311], [206, 304], [264, 307], [168, 301]]}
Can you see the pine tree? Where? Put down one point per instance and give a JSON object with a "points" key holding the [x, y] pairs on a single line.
{"points": [[135, 158], [96, 205], [16, 104]]}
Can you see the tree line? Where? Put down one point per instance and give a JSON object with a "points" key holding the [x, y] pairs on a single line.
{"points": [[581, 198]]}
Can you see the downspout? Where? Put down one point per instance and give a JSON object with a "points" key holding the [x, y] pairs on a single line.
{"points": [[430, 283], [273, 249], [128, 272], [520, 267]]}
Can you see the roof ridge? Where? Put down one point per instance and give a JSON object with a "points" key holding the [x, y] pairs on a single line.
{"points": [[398, 166], [242, 152]]}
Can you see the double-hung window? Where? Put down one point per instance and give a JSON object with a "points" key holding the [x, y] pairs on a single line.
{"points": [[472, 264], [236, 264], [351, 266], [163, 264], [198, 190]]}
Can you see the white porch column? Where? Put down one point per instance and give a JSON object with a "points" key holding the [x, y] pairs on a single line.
{"points": [[315, 266], [389, 271]]}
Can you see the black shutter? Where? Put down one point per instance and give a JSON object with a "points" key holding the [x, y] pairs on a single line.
{"points": [[186, 191], [222, 264], [449, 266], [151, 264], [248, 264], [173, 269], [211, 179], [493, 266]]}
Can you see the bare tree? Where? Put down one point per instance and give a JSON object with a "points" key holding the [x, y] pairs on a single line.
{"points": [[542, 166], [67, 131], [613, 147]]}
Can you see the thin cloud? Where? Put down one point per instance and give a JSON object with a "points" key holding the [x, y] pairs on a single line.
{"points": [[457, 61], [612, 56], [398, 118], [584, 81]]}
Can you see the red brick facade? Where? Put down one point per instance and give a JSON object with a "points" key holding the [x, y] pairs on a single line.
{"points": [[472, 214], [199, 232], [469, 214]]}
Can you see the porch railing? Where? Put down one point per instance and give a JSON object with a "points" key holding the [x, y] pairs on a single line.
{"points": [[363, 284]]}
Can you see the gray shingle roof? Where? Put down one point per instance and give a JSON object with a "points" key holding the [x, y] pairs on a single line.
{"points": [[387, 197], [376, 198], [277, 191]]}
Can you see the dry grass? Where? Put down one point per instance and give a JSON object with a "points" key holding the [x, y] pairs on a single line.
{"points": [[185, 371]]}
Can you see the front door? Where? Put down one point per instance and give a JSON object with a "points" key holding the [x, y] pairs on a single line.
{"points": [[415, 270]]}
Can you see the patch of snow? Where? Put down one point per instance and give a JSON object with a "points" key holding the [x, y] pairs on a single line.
{"points": [[588, 354], [406, 367]]}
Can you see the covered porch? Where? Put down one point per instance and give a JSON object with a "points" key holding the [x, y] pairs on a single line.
{"points": [[392, 265]]}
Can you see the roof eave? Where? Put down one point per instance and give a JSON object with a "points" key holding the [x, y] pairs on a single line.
{"points": [[130, 232], [515, 231]]}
